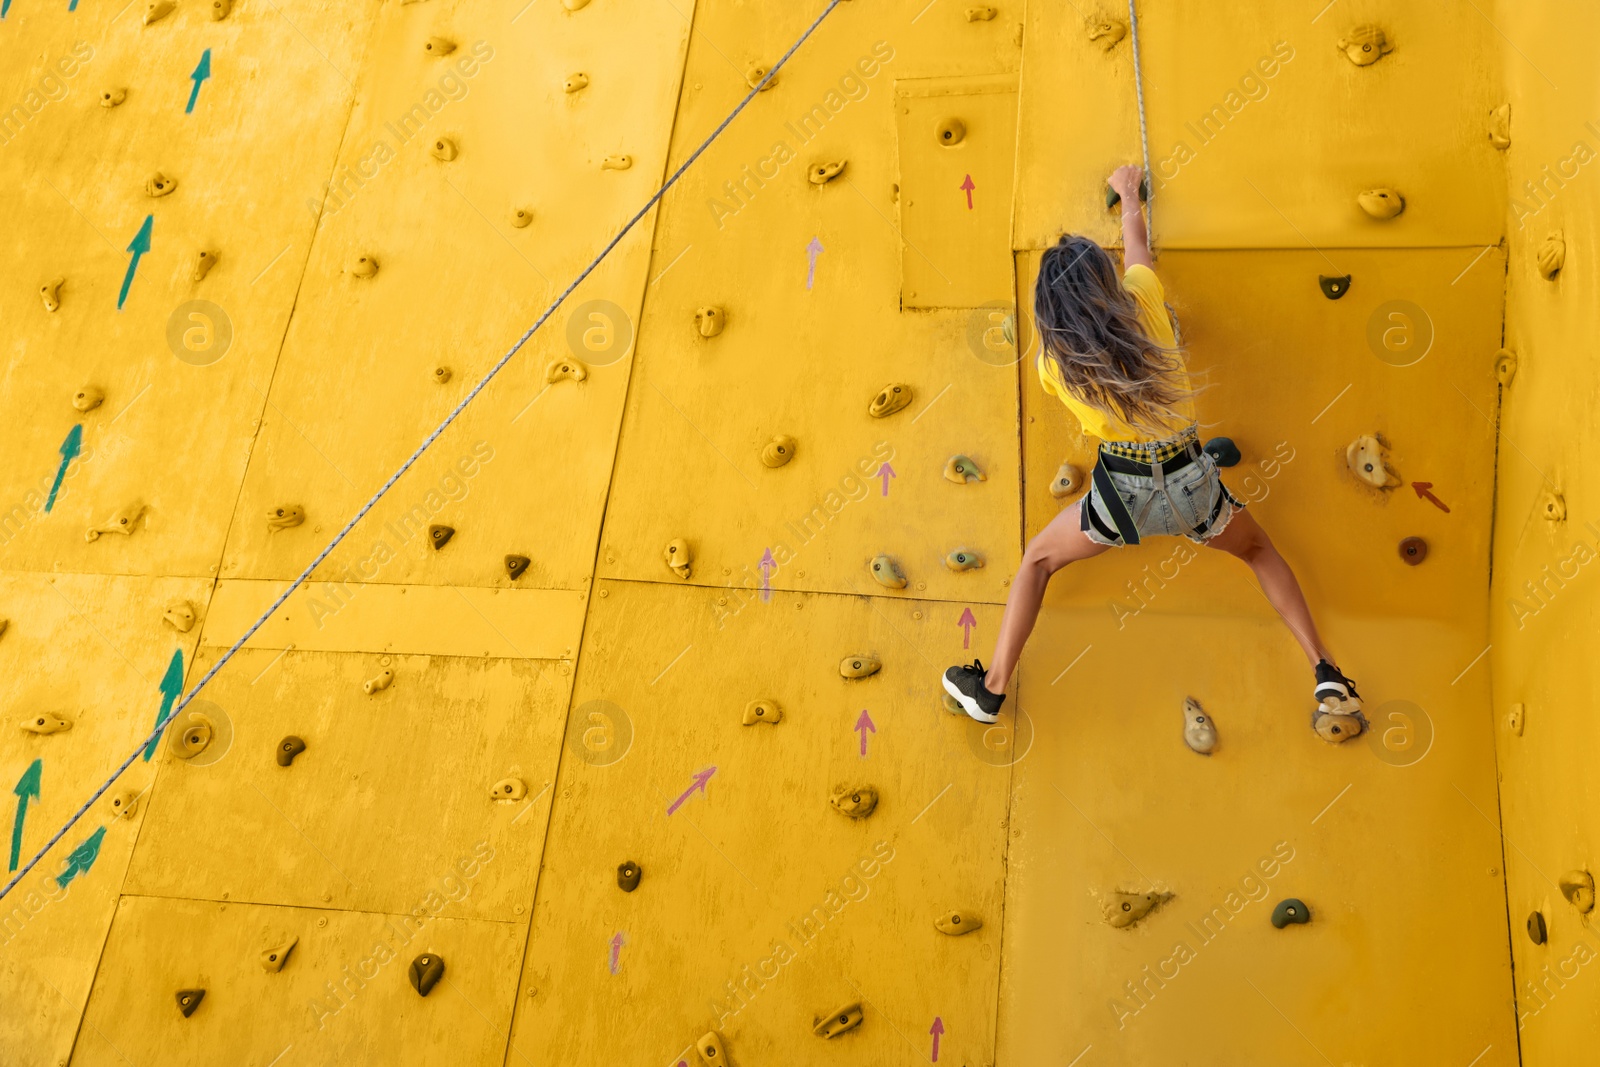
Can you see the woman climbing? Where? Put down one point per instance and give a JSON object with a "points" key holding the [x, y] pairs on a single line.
{"points": [[1111, 355]]}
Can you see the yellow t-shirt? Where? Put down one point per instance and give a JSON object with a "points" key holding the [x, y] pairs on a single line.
{"points": [[1141, 282]]}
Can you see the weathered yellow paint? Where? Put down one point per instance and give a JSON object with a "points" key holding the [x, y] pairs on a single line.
{"points": [[395, 193]]}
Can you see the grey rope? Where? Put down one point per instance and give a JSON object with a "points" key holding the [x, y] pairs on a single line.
{"points": [[305, 574], [1138, 88]]}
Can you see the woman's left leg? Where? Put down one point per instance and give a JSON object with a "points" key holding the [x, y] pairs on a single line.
{"points": [[1244, 537]]}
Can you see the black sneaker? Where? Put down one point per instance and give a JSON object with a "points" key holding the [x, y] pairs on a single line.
{"points": [[1331, 683], [966, 685]]}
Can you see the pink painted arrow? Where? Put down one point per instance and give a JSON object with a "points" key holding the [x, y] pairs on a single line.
{"points": [[886, 472], [813, 250], [936, 1030], [616, 952], [1423, 494], [864, 724], [967, 187], [767, 565], [700, 780], [966, 622]]}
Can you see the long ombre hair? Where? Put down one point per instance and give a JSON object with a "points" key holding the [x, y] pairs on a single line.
{"points": [[1090, 329]]}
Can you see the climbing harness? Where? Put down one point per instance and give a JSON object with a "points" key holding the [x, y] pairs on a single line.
{"points": [[162, 723]]}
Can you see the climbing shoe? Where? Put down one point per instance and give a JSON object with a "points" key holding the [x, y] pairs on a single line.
{"points": [[965, 684], [1331, 683]]}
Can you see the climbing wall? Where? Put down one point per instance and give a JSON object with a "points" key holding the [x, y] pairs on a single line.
{"points": [[1542, 604], [613, 731]]}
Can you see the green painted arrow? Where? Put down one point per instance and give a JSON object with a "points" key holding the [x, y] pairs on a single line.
{"points": [[138, 246], [171, 686], [27, 789], [82, 858]]}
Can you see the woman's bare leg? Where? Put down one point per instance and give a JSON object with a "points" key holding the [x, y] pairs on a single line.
{"points": [[1058, 544], [1244, 537]]}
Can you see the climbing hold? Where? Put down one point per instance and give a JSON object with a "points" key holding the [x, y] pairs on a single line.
{"points": [[951, 132], [1113, 198], [1125, 909], [444, 149], [574, 82], [1334, 286], [778, 451], [509, 789], [1555, 507], [285, 516], [1381, 203], [1337, 720], [1066, 481], [854, 802], [561, 370], [188, 999], [574, 5], [980, 14], [88, 398], [755, 72], [439, 536], [1551, 255], [121, 521], [961, 470], [887, 573], [521, 217], [890, 399], [1223, 451], [628, 875], [710, 321], [1413, 550], [963, 559], [1366, 457], [678, 557], [220, 9], [203, 262], [288, 749], [158, 184], [516, 566], [762, 711], [841, 1021], [616, 163], [112, 97], [710, 1046], [1537, 932], [1500, 126], [50, 293], [1106, 31], [192, 737], [180, 614], [383, 681], [439, 46], [951, 704], [273, 959], [1365, 45], [124, 804], [155, 11], [956, 923], [1515, 718], [1199, 732], [365, 267], [442, 375], [46, 723], [823, 173], [426, 970], [1505, 366], [1290, 911], [860, 666], [1578, 888]]}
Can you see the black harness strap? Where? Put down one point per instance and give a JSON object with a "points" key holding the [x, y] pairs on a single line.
{"points": [[1112, 501]]}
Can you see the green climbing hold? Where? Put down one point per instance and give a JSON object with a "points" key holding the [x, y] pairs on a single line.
{"points": [[1290, 911]]}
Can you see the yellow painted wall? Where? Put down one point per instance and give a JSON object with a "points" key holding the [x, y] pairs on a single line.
{"points": [[613, 689]]}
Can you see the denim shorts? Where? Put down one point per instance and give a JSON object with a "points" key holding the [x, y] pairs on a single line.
{"points": [[1193, 503]]}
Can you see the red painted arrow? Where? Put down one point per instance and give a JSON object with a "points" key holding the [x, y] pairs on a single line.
{"points": [[936, 1029], [1422, 492], [967, 187], [700, 780], [864, 724], [966, 622]]}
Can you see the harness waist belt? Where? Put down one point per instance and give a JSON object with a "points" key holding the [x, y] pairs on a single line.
{"points": [[1124, 465]]}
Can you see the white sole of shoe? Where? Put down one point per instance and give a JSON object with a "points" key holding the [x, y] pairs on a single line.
{"points": [[969, 705]]}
